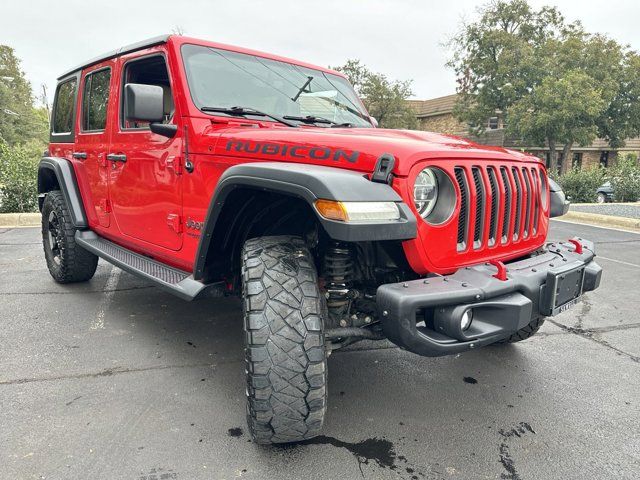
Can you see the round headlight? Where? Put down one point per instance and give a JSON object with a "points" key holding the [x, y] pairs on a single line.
{"points": [[425, 192]]}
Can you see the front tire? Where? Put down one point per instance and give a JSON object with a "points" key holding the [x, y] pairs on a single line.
{"points": [[525, 332], [601, 198], [286, 363], [66, 260]]}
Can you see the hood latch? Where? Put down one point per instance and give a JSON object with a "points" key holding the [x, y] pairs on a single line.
{"points": [[384, 167]]}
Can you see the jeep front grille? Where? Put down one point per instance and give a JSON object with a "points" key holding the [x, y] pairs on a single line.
{"points": [[499, 205]]}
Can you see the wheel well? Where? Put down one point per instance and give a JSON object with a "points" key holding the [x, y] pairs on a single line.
{"points": [[248, 213], [47, 181]]}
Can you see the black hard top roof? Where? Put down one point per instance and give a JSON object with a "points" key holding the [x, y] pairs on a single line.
{"points": [[114, 53]]}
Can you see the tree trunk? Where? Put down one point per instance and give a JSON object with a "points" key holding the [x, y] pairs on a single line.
{"points": [[566, 157], [553, 158]]}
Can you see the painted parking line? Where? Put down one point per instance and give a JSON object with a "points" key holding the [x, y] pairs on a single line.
{"points": [[618, 261], [110, 291], [595, 226]]}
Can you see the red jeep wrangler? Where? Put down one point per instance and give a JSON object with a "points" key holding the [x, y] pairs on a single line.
{"points": [[212, 170]]}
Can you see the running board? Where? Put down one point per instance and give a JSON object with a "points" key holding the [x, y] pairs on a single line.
{"points": [[171, 279]]}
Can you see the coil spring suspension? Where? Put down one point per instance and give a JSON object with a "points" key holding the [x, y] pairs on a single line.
{"points": [[338, 273]]}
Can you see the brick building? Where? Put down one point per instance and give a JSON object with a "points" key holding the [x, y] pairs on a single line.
{"points": [[436, 115]]}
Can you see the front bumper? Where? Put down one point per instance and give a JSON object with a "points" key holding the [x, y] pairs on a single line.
{"points": [[423, 316]]}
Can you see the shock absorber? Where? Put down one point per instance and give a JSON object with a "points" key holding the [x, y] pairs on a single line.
{"points": [[338, 273]]}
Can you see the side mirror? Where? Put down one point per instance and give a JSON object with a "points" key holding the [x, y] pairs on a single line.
{"points": [[145, 103], [374, 122]]}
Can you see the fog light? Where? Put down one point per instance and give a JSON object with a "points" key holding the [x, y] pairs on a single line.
{"points": [[465, 321]]}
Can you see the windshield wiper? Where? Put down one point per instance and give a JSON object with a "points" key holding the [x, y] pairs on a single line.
{"points": [[242, 111], [314, 119], [303, 88]]}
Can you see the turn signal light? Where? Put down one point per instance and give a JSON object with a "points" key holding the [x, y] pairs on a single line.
{"points": [[332, 210], [355, 212]]}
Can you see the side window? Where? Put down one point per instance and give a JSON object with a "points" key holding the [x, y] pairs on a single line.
{"points": [[95, 98], [64, 103], [148, 71]]}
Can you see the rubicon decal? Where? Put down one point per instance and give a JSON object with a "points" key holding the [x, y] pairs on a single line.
{"points": [[292, 151]]}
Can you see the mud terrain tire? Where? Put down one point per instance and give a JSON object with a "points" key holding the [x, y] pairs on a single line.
{"points": [[286, 364], [525, 332], [67, 261]]}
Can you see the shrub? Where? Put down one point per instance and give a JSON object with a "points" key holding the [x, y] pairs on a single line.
{"points": [[581, 185], [625, 178], [18, 177]]}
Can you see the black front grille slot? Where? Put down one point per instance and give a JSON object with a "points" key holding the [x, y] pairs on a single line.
{"points": [[463, 218], [536, 201], [480, 203], [495, 199], [506, 220], [516, 181], [530, 199]]}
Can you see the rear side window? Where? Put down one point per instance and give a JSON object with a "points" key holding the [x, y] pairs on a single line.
{"points": [[64, 107], [95, 98]]}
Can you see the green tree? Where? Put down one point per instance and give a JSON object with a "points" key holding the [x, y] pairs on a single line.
{"points": [[385, 99], [20, 121], [563, 109], [550, 80]]}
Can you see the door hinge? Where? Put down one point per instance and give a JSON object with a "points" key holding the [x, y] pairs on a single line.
{"points": [[175, 222], [105, 205], [174, 163]]}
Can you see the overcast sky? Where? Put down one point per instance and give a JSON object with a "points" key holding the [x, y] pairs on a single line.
{"points": [[402, 38]]}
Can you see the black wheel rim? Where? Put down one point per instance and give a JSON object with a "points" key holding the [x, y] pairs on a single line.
{"points": [[53, 231]]}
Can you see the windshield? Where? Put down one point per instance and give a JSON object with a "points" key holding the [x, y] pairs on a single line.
{"points": [[221, 78]]}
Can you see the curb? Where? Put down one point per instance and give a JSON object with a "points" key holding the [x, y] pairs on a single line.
{"points": [[13, 220], [635, 204], [604, 220]]}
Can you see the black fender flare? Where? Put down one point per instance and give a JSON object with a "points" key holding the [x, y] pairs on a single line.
{"points": [[310, 183], [559, 203], [65, 176]]}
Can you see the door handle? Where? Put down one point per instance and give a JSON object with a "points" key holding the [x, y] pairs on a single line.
{"points": [[80, 155], [117, 157]]}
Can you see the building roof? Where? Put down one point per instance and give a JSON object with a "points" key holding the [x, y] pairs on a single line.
{"points": [[434, 106], [444, 106]]}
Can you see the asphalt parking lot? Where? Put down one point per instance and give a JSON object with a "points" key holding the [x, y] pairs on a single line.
{"points": [[115, 379]]}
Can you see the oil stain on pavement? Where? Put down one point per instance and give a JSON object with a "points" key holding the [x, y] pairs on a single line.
{"points": [[505, 455], [378, 452]]}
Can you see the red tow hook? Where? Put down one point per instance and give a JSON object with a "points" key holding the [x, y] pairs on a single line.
{"points": [[577, 244], [502, 270]]}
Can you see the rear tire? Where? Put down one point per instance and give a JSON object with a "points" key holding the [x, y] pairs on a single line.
{"points": [[602, 198], [67, 261], [525, 332], [286, 363]]}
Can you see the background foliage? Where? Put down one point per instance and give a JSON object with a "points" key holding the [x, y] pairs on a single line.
{"points": [[581, 185], [18, 173], [385, 99], [23, 136], [551, 81], [625, 179]]}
